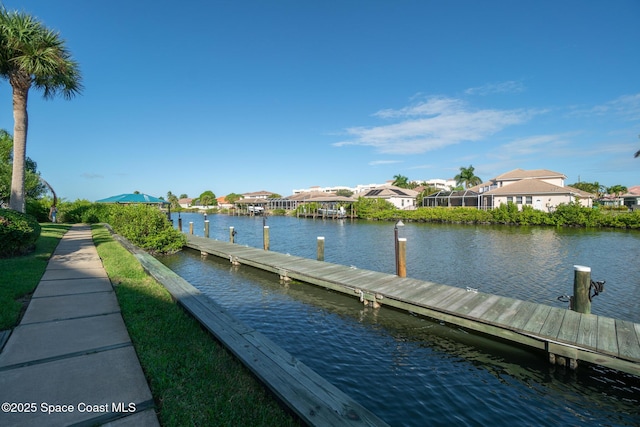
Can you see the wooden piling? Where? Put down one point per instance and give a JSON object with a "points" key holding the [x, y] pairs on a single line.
{"points": [[232, 235], [191, 227], [581, 285], [265, 237], [206, 229], [320, 248], [180, 224], [402, 257]]}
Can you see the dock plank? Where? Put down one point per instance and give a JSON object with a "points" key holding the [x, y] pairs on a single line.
{"points": [[607, 339], [628, 345], [524, 314], [588, 331], [483, 306], [537, 319], [569, 328], [552, 323]]}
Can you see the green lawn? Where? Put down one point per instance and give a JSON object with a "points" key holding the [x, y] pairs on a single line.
{"points": [[193, 379], [19, 276]]}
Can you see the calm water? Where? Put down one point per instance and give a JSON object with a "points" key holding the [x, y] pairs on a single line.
{"points": [[413, 371]]}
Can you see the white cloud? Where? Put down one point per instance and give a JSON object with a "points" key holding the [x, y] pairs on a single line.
{"points": [[626, 106], [436, 123], [87, 175], [536, 144], [503, 87], [384, 162]]}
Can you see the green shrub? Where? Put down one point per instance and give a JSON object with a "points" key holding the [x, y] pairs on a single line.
{"points": [[144, 226], [39, 208], [18, 233]]}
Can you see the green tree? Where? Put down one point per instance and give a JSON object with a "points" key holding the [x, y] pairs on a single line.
{"points": [[400, 181], [34, 185], [617, 190], [343, 192], [233, 197], [467, 177], [31, 55], [429, 190], [173, 200], [590, 187], [207, 198]]}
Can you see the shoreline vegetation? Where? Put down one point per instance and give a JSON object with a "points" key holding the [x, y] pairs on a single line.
{"points": [[570, 215], [567, 215]]}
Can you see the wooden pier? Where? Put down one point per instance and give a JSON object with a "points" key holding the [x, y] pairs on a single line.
{"points": [[307, 394], [566, 336]]}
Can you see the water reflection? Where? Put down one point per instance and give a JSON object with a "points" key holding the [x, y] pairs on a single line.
{"points": [[410, 370]]}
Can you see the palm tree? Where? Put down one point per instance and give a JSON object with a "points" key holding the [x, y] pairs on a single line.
{"points": [[467, 177], [400, 181], [31, 55]]}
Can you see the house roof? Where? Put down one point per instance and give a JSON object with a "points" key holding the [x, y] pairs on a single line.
{"points": [[632, 191], [132, 198], [535, 186], [319, 196], [518, 174], [390, 191], [258, 193]]}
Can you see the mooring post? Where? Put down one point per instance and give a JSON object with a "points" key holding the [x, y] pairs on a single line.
{"points": [[190, 227], [180, 224], [206, 228], [320, 248], [232, 235], [402, 257], [581, 285], [265, 237]]}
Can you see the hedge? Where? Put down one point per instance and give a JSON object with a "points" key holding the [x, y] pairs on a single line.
{"points": [[18, 233]]}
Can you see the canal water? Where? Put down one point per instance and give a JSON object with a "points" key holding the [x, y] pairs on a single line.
{"points": [[412, 371]]}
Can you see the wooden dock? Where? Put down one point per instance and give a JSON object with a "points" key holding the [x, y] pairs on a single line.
{"points": [[566, 336], [306, 393]]}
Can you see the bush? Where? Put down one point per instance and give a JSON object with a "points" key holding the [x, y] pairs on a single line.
{"points": [[18, 233], [144, 226]]}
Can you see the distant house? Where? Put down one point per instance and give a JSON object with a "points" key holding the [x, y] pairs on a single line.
{"points": [[401, 198], [223, 204], [258, 195], [185, 203], [631, 198], [541, 189]]}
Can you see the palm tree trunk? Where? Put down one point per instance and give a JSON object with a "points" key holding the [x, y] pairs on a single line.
{"points": [[20, 125]]}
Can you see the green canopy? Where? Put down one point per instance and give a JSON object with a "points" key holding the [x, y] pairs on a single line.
{"points": [[132, 198]]}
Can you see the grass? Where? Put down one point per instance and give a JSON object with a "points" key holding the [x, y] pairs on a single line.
{"points": [[193, 379], [20, 275]]}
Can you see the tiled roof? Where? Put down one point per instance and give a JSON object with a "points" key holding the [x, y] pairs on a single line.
{"points": [[517, 174], [388, 192], [535, 186]]}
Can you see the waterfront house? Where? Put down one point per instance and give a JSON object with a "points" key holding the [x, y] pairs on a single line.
{"points": [[631, 198], [541, 189], [185, 202], [401, 198]]}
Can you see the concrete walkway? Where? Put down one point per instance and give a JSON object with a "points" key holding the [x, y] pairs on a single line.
{"points": [[71, 361]]}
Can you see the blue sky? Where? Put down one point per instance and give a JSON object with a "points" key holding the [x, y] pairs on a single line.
{"points": [[242, 96]]}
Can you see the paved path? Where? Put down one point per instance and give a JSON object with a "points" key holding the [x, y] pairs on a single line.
{"points": [[71, 361]]}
